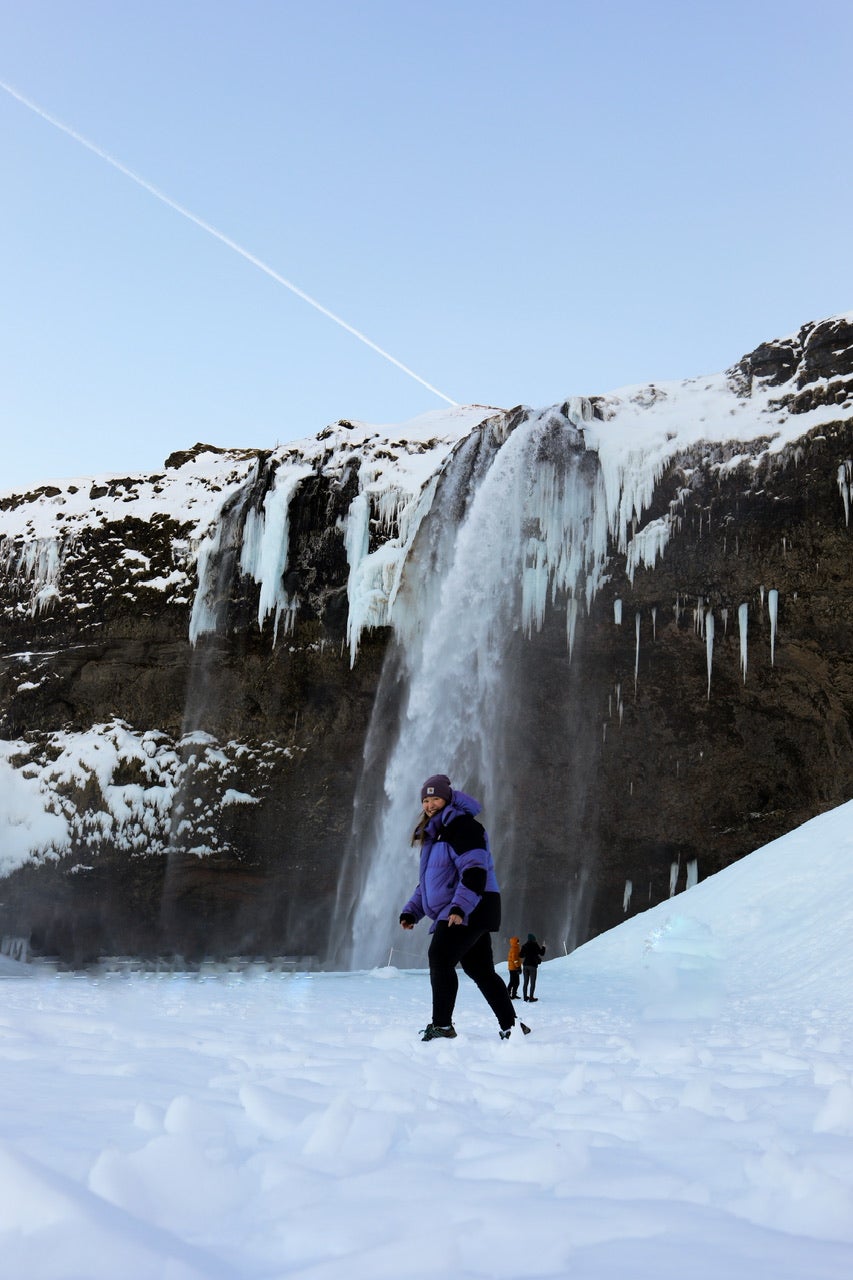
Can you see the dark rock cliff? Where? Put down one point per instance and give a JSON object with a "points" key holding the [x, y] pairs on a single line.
{"points": [[629, 775]]}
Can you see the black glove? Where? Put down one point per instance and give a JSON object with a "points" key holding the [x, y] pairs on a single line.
{"points": [[406, 917]]}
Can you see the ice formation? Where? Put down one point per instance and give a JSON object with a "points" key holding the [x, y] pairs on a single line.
{"points": [[743, 628], [709, 645], [263, 556], [36, 562], [773, 614], [845, 481]]}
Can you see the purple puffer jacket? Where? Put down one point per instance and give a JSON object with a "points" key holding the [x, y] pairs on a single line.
{"points": [[456, 868]]}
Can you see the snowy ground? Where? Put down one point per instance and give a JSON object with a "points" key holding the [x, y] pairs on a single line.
{"points": [[683, 1108]]}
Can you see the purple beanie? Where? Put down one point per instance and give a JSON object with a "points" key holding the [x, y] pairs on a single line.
{"points": [[437, 785]]}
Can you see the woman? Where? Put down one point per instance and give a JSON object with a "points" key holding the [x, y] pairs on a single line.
{"points": [[458, 890], [531, 958]]}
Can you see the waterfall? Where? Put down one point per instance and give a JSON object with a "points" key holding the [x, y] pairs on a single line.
{"points": [[517, 524], [636, 650], [216, 559]]}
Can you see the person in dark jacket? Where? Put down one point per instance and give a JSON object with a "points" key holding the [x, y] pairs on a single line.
{"points": [[531, 958], [458, 890]]}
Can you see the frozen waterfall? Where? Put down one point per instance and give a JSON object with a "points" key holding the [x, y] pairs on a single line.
{"points": [[516, 525]]}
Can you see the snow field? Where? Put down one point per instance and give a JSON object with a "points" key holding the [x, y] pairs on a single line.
{"points": [[684, 1105]]}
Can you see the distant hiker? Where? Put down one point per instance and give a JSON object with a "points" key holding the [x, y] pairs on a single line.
{"points": [[531, 958], [458, 890], [513, 964]]}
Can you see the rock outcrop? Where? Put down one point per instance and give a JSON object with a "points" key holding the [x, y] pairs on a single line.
{"points": [[191, 666]]}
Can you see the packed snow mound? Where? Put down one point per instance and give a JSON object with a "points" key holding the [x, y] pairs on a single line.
{"points": [[784, 911]]}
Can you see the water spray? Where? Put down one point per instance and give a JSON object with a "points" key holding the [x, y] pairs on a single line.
{"points": [[218, 235]]}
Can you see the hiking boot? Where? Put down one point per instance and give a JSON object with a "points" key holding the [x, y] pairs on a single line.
{"points": [[505, 1035], [432, 1032]]}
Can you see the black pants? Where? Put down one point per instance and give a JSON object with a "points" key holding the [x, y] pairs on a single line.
{"points": [[514, 979], [472, 949], [529, 979]]}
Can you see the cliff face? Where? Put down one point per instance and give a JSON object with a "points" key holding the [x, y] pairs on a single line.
{"points": [[204, 674]]}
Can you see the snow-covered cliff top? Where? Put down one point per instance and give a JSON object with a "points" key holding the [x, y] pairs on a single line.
{"points": [[783, 391], [636, 429]]}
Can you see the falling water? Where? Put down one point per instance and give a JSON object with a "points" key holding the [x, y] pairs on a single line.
{"points": [[636, 649], [215, 565], [516, 524], [216, 562]]}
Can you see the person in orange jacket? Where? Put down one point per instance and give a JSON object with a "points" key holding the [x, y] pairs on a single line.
{"points": [[513, 962]]}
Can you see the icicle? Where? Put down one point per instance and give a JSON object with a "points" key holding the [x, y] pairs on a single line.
{"points": [[626, 896], [571, 622], [654, 622], [263, 556], [773, 611], [673, 877], [725, 614], [617, 612], [845, 471], [762, 597], [636, 648], [743, 624], [647, 546], [692, 872], [709, 645], [604, 732]]}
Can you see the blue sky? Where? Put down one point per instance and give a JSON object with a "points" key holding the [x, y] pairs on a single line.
{"points": [[518, 202]]}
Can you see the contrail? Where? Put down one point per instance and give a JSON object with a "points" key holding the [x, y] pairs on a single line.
{"points": [[218, 235]]}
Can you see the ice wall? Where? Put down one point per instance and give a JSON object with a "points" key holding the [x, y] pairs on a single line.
{"points": [[37, 565]]}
